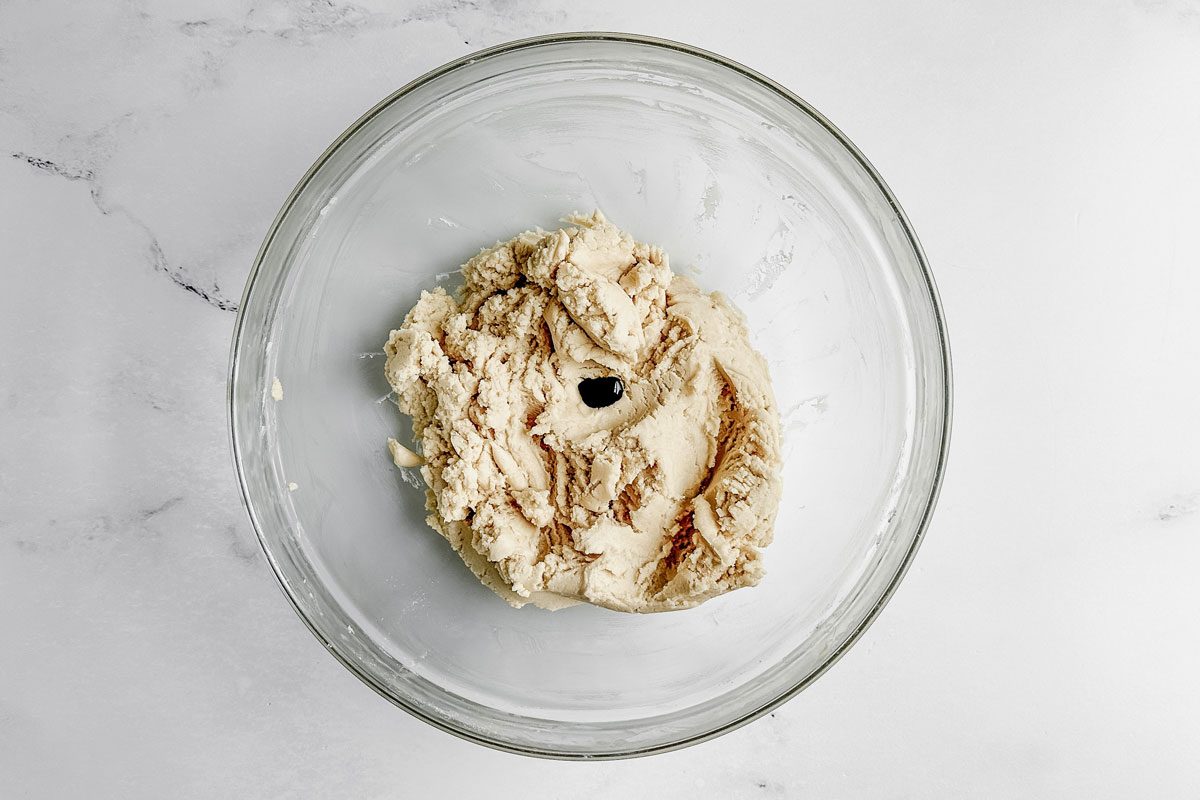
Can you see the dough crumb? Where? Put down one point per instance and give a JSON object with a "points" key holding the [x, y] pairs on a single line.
{"points": [[292, 487], [276, 390], [402, 456], [594, 427]]}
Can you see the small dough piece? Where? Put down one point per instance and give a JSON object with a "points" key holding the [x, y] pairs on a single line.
{"points": [[657, 502], [402, 456], [276, 390]]}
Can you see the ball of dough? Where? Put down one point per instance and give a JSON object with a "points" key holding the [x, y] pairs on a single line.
{"points": [[658, 501]]}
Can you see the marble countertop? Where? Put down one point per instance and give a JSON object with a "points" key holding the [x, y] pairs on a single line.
{"points": [[1044, 643]]}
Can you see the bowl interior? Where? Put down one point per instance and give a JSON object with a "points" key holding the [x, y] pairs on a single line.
{"points": [[749, 193]]}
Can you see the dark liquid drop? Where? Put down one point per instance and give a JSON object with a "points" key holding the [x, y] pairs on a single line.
{"points": [[601, 392]]}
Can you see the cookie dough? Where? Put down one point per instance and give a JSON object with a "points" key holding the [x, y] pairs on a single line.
{"points": [[402, 456], [657, 501]]}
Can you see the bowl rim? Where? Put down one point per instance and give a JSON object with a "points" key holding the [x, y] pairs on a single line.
{"points": [[930, 288]]}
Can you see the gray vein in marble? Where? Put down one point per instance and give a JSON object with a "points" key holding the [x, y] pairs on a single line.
{"points": [[51, 167], [1179, 506], [211, 295], [303, 23], [307, 21], [149, 513], [239, 547], [1180, 11]]}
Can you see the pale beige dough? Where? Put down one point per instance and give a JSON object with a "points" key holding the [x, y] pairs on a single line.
{"points": [[402, 456], [657, 502]]}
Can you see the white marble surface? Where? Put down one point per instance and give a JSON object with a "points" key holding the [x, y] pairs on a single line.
{"points": [[1045, 643]]}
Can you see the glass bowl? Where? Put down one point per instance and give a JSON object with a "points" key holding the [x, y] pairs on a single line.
{"points": [[751, 192]]}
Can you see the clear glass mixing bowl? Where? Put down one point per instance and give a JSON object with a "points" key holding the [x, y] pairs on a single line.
{"points": [[753, 193]]}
